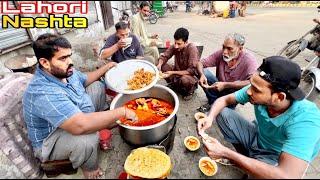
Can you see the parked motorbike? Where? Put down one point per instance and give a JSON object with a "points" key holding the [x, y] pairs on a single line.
{"points": [[124, 15], [152, 18], [293, 48], [310, 79]]}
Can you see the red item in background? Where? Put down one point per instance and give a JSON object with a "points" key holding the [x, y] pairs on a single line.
{"points": [[105, 136], [167, 43], [110, 92], [123, 175]]}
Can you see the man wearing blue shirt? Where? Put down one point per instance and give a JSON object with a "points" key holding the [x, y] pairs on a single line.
{"points": [[285, 137], [59, 114]]}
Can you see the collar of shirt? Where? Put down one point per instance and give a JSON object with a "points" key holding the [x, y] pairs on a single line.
{"points": [[183, 49], [282, 118], [50, 77], [141, 17]]}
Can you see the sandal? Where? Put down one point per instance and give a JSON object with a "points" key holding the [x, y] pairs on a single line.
{"points": [[224, 161], [204, 108], [187, 97]]}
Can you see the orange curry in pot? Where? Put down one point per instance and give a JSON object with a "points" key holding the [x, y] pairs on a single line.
{"points": [[149, 111]]}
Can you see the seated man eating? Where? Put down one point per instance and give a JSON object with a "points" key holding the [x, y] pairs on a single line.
{"points": [[122, 45], [285, 137], [234, 67], [59, 114], [138, 27], [181, 76]]}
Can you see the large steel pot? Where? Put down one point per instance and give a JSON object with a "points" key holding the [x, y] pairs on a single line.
{"points": [[147, 135]]}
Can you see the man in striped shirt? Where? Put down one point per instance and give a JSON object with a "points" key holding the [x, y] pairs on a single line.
{"points": [[59, 114]]}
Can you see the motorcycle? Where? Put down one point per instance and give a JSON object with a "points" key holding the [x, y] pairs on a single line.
{"points": [[310, 79], [310, 74], [152, 18], [293, 48], [124, 16]]}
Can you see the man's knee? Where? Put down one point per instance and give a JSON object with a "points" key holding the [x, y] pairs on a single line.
{"points": [[150, 59], [185, 80], [153, 51], [211, 78], [224, 116], [84, 151], [96, 91], [88, 142], [188, 81], [206, 72]]}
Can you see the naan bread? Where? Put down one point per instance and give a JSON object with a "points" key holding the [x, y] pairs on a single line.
{"points": [[148, 163]]}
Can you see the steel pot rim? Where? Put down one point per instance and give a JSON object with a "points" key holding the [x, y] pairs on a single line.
{"points": [[175, 110]]}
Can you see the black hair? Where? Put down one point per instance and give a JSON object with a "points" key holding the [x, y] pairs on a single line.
{"points": [[181, 33], [121, 25], [47, 44], [143, 4]]}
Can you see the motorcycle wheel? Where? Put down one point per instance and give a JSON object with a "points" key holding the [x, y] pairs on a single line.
{"points": [[153, 18], [307, 85], [291, 50]]}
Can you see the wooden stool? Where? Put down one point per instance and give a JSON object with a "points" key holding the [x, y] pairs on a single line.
{"points": [[55, 168]]}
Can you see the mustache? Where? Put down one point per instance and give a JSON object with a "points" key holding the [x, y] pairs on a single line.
{"points": [[70, 66]]}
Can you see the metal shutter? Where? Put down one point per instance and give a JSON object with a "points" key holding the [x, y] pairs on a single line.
{"points": [[92, 16], [10, 37]]}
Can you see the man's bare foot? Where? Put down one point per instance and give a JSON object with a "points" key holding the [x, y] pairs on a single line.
{"points": [[95, 174]]}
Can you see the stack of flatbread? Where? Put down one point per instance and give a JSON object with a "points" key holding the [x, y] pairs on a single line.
{"points": [[148, 163]]}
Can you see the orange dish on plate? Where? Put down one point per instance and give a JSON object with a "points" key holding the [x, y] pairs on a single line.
{"points": [[140, 79]]}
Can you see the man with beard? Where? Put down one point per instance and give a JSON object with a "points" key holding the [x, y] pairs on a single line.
{"points": [[285, 137], [234, 67], [139, 28], [182, 76], [59, 114]]}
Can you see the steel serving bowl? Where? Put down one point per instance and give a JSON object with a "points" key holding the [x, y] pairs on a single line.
{"points": [[146, 135]]}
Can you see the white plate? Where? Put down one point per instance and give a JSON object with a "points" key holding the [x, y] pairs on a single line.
{"points": [[116, 78]]}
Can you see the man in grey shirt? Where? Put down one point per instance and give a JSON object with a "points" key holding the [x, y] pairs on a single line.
{"points": [[122, 45]]}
